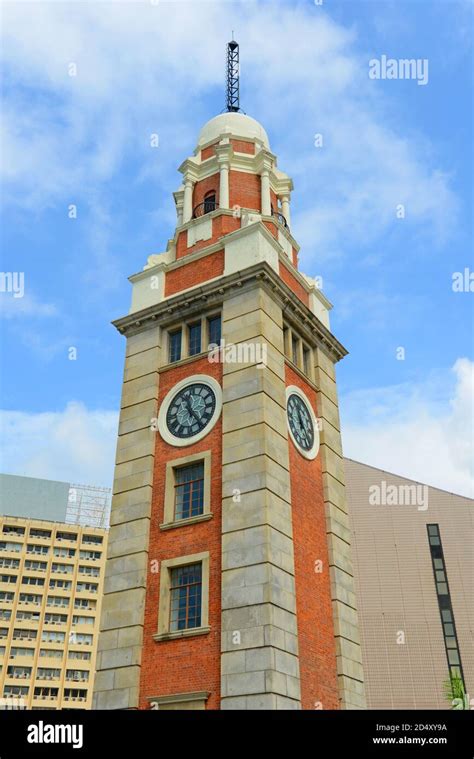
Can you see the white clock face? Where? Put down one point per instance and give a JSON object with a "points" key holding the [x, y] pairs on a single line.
{"points": [[302, 423], [190, 410]]}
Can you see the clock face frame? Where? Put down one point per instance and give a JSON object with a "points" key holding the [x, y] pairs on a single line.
{"points": [[302, 422], [190, 410]]}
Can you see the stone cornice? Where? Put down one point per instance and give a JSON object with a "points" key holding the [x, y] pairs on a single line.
{"points": [[190, 166], [245, 162], [186, 304]]}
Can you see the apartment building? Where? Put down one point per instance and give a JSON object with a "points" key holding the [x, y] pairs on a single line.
{"points": [[51, 585]]}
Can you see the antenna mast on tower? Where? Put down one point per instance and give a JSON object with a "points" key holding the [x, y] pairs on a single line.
{"points": [[233, 73]]}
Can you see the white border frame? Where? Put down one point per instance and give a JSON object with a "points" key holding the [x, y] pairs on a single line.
{"points": [[163, 429], [313, 452]]}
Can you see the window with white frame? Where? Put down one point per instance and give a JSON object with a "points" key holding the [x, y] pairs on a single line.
{"points": [[184, 597], [298, 351], [192, 337]]}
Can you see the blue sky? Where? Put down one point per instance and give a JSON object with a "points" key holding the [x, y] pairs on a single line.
{"points": [[146, 68]]}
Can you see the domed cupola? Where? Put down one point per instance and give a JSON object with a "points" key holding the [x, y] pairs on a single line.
{"points": [[233, 168]]}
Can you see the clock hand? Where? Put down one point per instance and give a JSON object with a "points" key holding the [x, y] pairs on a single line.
{"points": [[201, 420], [190, 413], [302, 424], [198, 410], [296, 421]]}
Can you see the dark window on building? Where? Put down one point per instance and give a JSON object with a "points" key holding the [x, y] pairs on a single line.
{"points": [[185, 597], [36, 532], [32, 580], [444, 603], [9, 529], [8, 578], [214, 327], [210, 202], [189, 491], [15, 690], [45, 692], [66, 536], [306, 367], [294, 349], [92, 539], [194, 335], [175, 346]]}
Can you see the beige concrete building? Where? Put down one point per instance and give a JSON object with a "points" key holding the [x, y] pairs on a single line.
{"points": [[51, 585], [413, 565]]}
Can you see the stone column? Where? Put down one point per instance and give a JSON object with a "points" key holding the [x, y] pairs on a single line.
{"points": [[121, 638], [346, 626], [259, 664], [224, 185], [285, 207], [224, 153], [265, 186], [188, 200]]}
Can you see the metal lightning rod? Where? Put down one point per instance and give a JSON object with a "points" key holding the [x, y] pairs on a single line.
{"points": [[233, 76]]}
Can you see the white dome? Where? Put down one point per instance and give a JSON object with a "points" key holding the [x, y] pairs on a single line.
{"points": [[235, 124]]}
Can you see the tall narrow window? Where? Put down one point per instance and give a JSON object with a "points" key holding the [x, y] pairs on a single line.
{"points": [[444, 603], [214, 328], [194, 335], [174, 346], [185, 597], [189, 491], [294, 349], [306, 366], [286, 338]]}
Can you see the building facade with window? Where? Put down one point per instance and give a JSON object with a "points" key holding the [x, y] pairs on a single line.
{"points": [[51, 587], [414, 569], [229, 580]]}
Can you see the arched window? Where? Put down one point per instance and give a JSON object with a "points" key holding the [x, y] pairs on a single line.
{"points": [[210, 201]]}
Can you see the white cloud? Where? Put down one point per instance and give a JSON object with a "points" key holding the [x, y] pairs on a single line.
{"points": [[27, 306], [73, 445], [421, 431], [142, 68]]}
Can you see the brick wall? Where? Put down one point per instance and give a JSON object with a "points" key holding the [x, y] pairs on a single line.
{"points": [[274, 200], [290, 280], [317, 651], [245, 190], [208, 152], [221, 225], [272, 228], [194, 273], [241, 146], [187, 664]]}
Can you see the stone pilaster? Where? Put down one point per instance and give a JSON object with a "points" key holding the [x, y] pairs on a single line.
{"points": [[120, 641], [346, 626], [260, 667]]}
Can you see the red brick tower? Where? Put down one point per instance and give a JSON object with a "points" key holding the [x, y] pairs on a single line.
{"points": [[229, 573]]}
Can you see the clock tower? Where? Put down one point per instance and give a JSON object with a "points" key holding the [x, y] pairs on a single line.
{"points": [[229, 573]]}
